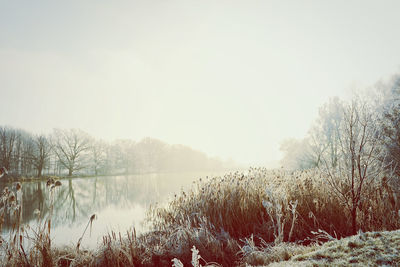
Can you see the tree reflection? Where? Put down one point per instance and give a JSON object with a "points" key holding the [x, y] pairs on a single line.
{"points": [[78, 198]]}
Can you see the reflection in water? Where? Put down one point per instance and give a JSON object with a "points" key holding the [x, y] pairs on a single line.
{"points": [[119, 202]]}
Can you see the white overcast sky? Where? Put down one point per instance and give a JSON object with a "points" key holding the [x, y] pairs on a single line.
{"points": [[230, 78]]}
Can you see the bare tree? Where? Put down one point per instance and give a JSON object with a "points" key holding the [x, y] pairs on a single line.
{"points": [[70, 147], [18, 159], [150, 151], [124, 155], [391, 132], [26, 160], [41, 153], [390, 122], [324, 135], [359, 163], [7, 142], [16, 148], [97, 155], [322, 141], [298, 154]]}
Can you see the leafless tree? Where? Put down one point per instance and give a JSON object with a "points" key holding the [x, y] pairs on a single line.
{"points": [[298, 154], [324, 135], [7, 142], [390, 122], [70, 147], [41, 153], [97, 155], [151, 152], [359, 163], [25, 154], [124, 155], [322, 141]]}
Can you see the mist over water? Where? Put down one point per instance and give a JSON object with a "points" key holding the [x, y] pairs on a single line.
{"points": [[119, 202]]}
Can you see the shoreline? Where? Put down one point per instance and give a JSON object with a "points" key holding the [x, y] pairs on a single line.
{"points": [[9, 178], [256, 218]]}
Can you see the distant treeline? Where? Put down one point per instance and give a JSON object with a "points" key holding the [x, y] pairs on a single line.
{"points": [[74, 152]]}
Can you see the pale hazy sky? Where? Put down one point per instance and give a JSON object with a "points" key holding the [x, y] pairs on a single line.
{"points": [[230, 78]]}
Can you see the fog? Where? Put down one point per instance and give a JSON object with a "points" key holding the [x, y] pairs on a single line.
{"points": [[232, 79]]}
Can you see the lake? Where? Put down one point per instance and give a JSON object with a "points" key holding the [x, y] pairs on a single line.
{"points": [[119, 202]]}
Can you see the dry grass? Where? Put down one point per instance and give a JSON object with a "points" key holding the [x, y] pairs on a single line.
{"points": [[365, 249], [255, 218], [158, 248], [267, 253], [233, 205]]}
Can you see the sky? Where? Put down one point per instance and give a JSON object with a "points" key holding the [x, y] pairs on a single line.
{"points": [[230, 78]]}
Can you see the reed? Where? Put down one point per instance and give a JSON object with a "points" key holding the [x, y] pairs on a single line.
{"points": [[257, 217], [274, 207]]}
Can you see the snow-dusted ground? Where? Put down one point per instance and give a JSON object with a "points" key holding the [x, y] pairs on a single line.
{"points": [[365, 249]]}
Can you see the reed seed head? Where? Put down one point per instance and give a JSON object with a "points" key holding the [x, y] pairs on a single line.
{"points": [[11, 198]]}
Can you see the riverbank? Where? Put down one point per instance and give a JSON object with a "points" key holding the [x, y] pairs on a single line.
{"points": [[254, 218], [17, 178], [20, 178], [364, 249], [12, 178]]}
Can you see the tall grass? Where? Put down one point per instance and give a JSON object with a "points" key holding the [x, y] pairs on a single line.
{"points": [[256, 217], [274, 207], [26, 246]]}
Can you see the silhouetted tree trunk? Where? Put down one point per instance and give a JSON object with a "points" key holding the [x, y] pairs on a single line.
{"points": [[7, 139], [41, 153]]}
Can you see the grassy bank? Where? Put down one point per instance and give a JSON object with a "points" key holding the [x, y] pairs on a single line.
{"points": [[364, 249], [253, 218]]}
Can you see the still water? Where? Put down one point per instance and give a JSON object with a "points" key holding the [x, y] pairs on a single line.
{"points": [[119, 202]]}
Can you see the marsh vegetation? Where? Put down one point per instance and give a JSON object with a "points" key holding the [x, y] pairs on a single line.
{"points": [[341, 180], [256, 217], [199, 133]]}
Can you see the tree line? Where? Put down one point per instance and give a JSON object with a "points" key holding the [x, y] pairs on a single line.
{"points": [[370, 120], [355, 145], [68, 152]]}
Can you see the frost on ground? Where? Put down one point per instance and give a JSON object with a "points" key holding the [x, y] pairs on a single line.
{"points": [[364, 249]]}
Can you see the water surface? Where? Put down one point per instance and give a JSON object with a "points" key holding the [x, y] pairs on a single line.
{"points": [[120, 203]]}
